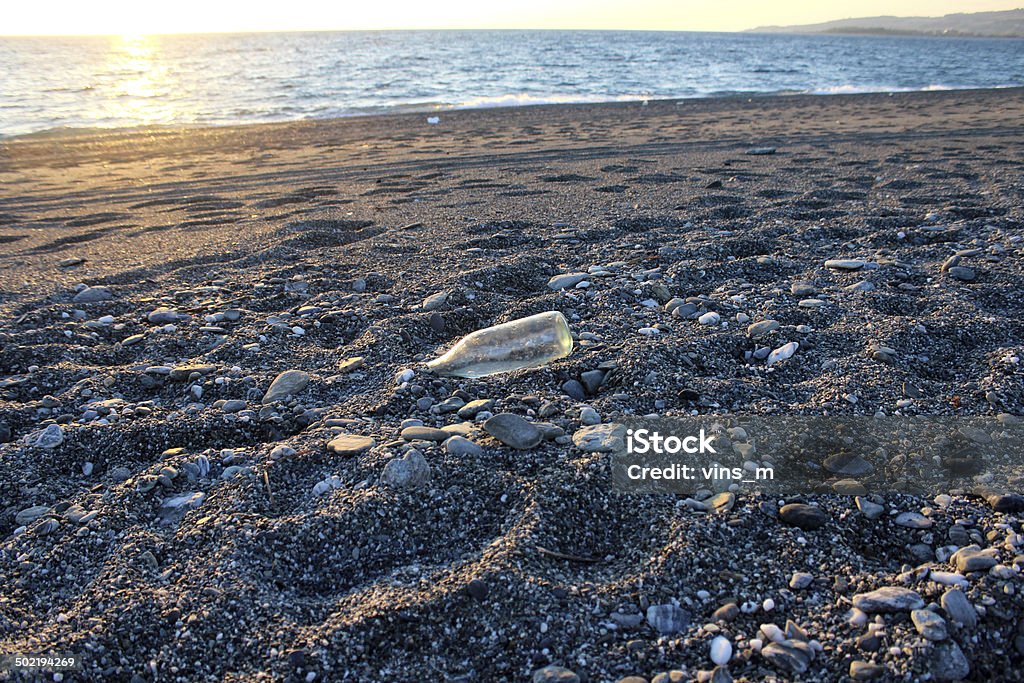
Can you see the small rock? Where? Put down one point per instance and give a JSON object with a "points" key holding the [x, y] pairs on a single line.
{"points": [[592, 380], [721, 650], [787, 656], [959, 609], [782, 353], [435, 301], [726, 612], [709, 318], [350, 364], [800, 580], [477, 590], [603, 438], [888, 599], [49, 437], [512, 430], [913, 520], [962, 273], [92, 295], [409, 471], [589, 416], [555, 674], [162, 316], [668, 618], [929, 624], [350, 444], [848, 465], [470, 410], [460, 445], [233, 405], [761, 328], [566, 280], [807, 517], [973, 559], [574, 389], [845, 264], [869, 509], [285, 385], [865, 671], [421, 433]]}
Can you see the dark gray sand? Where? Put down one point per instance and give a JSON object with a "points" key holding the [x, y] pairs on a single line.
{"points": [[175, 527]]}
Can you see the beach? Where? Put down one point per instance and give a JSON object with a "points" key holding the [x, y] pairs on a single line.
{"points": [[165, 519]]}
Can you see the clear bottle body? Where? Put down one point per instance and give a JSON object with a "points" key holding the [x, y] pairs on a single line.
{"points": [[524, 343]]}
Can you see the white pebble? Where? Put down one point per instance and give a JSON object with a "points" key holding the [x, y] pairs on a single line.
{"points": [[721, 650], [768, 605]]}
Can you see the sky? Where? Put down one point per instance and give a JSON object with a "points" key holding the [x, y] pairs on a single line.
{"points": [[133, 17]]}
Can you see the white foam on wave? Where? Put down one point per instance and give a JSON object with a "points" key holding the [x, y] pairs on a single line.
{"points": [[850, 89]]}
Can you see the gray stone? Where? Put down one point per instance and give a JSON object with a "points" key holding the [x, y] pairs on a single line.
{"points": [[555, 674], [845, 264], [929, 624], [806, 517], [1005, 502], [566, 280], [31, 514], [460, 445], [787, 656], [470, 410], [762, 328], [592, 380], [962, 273], [574, 389], [233, 405], [285, 385], [162, 315], [800, 580], [408, 472], [888, 599], [589, 416], [49, 437], [973, 559], [959, 609], [421, 433], [948, 663], [435, 301], [603, 438], [668, 618], [803, 289], [350, 444], [512, 430], [869, 509], [92, 295], [913, 520], [865, 671]]}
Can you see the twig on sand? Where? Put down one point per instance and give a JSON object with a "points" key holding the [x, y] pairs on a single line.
{"points": [[563, 556], [270, 494]]}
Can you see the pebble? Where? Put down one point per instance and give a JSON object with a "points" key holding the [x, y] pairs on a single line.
{"points": [[92, 295], [962, 273], [721, 650], [761, 328], [668, 618], [929, 624], [49, 437], [460, 445], [806, 517], [865, 671], [162, 315], [233, 405], [420, 433], [803, 289], [603, 438], [845, 264], [31, 514], [913, 520], [710, 318], [788, 656], [869, 509], [800, 580], [435, 301], [350, 444], [285, 385], [973, 559], [592, 380], [512, 430], [782, 353], [726, 612], [555, 674], [589, 416], [566, 280], [959, 609], [888, 599], [350, 364], [470, 410], [408, 472]]}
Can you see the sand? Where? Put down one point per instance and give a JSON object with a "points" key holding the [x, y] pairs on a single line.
{"points": [[230, 543]]}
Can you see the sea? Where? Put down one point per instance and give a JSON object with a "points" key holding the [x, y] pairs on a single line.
{"points": [[52, 84]]}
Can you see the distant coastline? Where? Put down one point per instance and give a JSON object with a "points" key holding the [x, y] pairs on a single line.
{"points": [[1005, 24]]}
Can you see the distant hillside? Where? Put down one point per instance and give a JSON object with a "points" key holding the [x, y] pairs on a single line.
{"points": [[1008, 24]]}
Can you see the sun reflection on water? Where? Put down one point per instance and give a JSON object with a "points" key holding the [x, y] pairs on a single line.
{"points": [[137, 91]]}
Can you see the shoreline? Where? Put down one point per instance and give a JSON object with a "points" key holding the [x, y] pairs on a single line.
{"points": [[72, 134]]}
